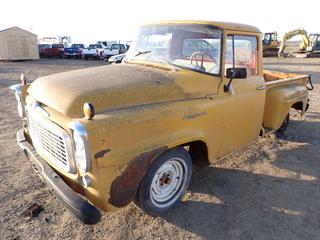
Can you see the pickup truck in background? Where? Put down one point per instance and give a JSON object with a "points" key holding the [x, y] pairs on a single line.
{"points": [[55, 50], [93, 51], [74, 51], [41, 48], [193, 93], [115, 49]]}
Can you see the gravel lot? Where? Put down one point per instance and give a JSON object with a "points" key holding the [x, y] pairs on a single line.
{"points": [[269, 190]]}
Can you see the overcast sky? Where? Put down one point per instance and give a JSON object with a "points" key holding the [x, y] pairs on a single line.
{"points": [[88, 21]]}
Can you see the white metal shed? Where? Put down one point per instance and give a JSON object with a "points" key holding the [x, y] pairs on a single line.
{"points": [[18, 44]]}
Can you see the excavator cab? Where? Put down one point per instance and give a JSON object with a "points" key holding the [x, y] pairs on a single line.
{"points": [[314, 43], [270, 44], [270, 38]]}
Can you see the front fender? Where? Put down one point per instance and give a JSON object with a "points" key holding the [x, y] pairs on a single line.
{"points": [[124, 143]]}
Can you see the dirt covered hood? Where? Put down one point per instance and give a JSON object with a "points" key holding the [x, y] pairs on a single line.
{"points": [[107, 88]]}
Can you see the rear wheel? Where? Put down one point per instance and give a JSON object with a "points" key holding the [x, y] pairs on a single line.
{"points": [[282, 130], [166, 182]]}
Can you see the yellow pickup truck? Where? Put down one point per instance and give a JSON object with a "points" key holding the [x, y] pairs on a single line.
{"points": [[187, 93]]}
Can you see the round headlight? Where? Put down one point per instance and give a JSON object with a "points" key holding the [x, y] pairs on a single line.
{"points": [[80, 151]]}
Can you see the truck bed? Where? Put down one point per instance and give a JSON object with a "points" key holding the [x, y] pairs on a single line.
{"points": [[283, 91], [278, 78]]}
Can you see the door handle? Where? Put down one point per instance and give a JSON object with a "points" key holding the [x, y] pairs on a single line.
{"points": [[261, 87]]}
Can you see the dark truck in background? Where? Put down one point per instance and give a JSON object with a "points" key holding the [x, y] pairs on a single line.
{"points": [[41, 48]]}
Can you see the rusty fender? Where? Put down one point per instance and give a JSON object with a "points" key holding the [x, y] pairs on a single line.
{"points": [[124, 187]]}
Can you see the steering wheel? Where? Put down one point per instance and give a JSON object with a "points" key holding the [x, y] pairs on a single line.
{"points": [[202, 54]]}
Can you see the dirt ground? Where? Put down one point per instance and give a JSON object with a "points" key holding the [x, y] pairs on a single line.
{"points": [[269, 190]]}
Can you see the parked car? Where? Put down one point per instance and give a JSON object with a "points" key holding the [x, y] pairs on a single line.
{"points": [[132, 131], [55, 50], [41, 48], [115, 49], [116, 58], [93, 51], [74, 51]]}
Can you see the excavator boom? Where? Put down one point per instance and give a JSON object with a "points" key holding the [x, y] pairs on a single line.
{"points": [[304, 44]]}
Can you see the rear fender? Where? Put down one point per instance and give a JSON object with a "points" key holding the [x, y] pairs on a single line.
{"points": [[279, 100]]}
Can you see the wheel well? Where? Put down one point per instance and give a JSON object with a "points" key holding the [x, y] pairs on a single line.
{"points": [[198, 152], [298, 106]]}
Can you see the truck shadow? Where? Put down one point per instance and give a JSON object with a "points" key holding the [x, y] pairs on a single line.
{"points": [[234, 204], [304, 156]]}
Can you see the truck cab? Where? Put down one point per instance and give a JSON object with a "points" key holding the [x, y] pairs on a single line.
{"points": [[187, 93]]}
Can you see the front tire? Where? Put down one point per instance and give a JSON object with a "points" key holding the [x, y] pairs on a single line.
{"points": [[166, 182]]}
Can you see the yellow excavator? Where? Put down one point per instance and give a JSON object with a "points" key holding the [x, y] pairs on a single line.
{"points": [[303, 46], [270, 44]]}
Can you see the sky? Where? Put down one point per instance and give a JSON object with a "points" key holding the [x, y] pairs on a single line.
{"points": [[89, 21]]}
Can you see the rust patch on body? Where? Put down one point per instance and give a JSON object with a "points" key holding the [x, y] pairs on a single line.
{"points": [[124, 187], [101, 153]]}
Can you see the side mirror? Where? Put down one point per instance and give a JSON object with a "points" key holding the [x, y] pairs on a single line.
{"points": [[236, 73], [232, 73]]}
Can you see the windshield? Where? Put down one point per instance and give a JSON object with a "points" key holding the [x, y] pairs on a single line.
{"points": [[57, 46], [77, 45], [195, 47], [94, 46], [313, 38], [42, 46], [115, 46]]}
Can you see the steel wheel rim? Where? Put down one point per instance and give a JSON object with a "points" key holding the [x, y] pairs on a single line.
{"points": [[168, 182]]}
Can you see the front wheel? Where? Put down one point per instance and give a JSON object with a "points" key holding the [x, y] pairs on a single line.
{"points": [[166, 182]]}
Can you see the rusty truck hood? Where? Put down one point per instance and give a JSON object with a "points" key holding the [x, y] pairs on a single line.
{"points": [[107, 88]]}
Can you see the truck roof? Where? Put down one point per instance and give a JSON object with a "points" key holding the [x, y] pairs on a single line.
{"points": [[223, 25]]}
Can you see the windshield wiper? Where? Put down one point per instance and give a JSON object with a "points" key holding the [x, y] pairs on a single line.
{"points": [[142, 52]]}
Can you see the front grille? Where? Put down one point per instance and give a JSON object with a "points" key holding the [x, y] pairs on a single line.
{"points": [[50, 140]]}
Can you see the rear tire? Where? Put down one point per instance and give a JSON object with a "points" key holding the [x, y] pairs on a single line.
{"points": [[282, 130], [165, 182]]}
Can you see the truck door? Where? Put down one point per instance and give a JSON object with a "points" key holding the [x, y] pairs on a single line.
{"points": [[243, 104]]}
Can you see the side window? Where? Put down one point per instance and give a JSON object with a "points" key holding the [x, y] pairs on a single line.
{"points": [[242, 52]]}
